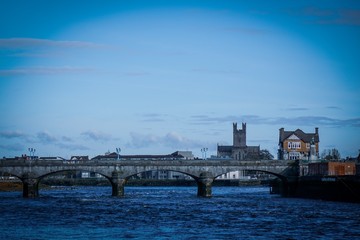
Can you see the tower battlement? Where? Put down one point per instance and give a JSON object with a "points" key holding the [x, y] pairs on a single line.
{"points": [[239, 135]]}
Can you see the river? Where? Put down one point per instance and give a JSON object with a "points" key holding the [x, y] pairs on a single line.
{"points": [[173, 213]]}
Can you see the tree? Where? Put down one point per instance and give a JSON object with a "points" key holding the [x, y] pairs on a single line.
{"points": [[266, 155], [331, 154]]}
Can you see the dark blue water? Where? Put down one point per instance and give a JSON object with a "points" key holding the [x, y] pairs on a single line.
{"points": [[173, 213]]}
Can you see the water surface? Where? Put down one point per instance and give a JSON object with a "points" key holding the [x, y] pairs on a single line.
{"points": [[173, 213]]}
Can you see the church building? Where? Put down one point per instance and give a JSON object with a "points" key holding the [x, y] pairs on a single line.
{"points": [[239, 150]]}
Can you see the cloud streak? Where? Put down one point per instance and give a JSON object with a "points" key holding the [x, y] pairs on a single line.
{"points": [[247, 31], [12, 147], [26, 43], [72, 146], [46, 71], [328, 16], [215, 71], [297, 109], [333, 107], [153, 117], [13, 134], [296, 121]]}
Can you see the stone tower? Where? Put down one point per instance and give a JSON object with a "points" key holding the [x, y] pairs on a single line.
{"points": [[239, 135]]}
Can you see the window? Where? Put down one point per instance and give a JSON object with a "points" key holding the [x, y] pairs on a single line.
{"points": [[294, 155], [294, 145]]}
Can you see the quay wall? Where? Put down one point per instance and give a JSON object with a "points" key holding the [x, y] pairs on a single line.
{"points": [[339, 188], [331, 188]]}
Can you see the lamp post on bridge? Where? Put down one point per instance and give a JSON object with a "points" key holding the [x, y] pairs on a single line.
{"points": [[204, 150], [118, 150]]}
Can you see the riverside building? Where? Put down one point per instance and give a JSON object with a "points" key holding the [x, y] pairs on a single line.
{"points": [[294, 145]]}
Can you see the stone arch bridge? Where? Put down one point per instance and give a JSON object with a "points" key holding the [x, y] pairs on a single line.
{"points": [[204, 172]]}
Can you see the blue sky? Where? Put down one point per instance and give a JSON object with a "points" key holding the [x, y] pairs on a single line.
{"points": [[154, 77]]}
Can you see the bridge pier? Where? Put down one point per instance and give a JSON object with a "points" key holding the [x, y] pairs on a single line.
{"points": [[289, 187], [117, 185], [204, 183], [30, 187]]}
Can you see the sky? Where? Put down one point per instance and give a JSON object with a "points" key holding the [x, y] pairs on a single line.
{"points": [[155, 77]]}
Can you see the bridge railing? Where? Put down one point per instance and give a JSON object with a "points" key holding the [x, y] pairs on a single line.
{"points": [[124, 162]]}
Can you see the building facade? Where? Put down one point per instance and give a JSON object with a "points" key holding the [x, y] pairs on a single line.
{"points": [[239, 150], [159, 175], [296, 144], [332, 169]]}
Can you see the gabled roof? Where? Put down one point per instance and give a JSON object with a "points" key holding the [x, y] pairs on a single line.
{"points": [[305, 137]]}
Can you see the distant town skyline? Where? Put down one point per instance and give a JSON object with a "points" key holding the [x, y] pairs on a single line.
{"points": [[154, 77]]}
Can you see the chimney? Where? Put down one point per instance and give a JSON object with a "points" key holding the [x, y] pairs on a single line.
{"points": [[316, 131], [281, 133]]}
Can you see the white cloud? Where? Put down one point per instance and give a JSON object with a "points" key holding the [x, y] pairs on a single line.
{"points": [[177, 141], [171, 139], [45, 137], [66, 139], [139, 140], [97, 136], [41, 139]]}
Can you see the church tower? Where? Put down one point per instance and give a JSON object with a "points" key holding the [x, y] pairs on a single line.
{"points": [[239, 135]]}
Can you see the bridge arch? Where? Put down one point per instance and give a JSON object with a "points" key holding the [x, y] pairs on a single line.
{"points": [[71, 170], [203, 177], [118, 185], [10, 174], [53, 173], [160, 170], [280, 176], [10, 181]]}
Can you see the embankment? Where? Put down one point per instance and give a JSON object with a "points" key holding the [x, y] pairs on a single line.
{"points": [[10, 186]]}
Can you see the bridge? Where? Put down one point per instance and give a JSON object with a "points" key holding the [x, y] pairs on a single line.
{"points": [[204, 172]]}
